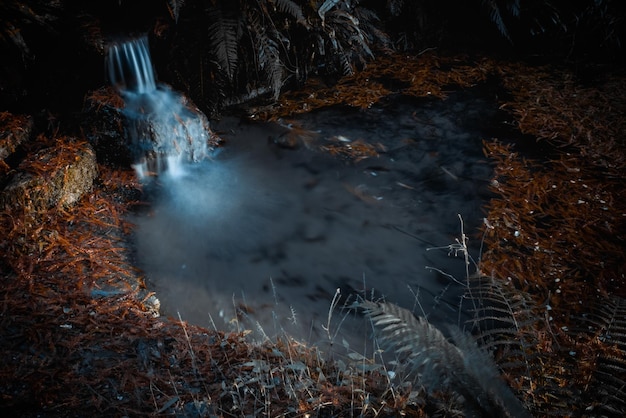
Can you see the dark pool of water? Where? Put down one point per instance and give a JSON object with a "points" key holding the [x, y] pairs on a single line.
{"points": [[278, 230]]}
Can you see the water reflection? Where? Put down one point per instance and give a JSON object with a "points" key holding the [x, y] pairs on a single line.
{"points": [[274, 232]]}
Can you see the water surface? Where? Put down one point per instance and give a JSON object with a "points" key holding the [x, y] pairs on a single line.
{"points": [[274, 231]]}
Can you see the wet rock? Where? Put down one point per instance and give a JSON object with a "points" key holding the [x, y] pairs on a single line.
{"points": [[14, 130], [56, 176], [124, 134], [104, 127]]}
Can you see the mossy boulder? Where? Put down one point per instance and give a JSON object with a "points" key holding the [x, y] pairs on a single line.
{"points": [[56, 176], [164, 122]]}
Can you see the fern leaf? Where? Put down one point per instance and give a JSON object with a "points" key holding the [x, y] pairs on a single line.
{"points": [[514, 8], [441, 365], [345, 63], [289, 7], [400, 325], [481, 366], [368, 21], [174, 6], [224, 40], [270, 63], [496, 17], [267, 57], [349, 25], [608, 320], [325, 7]]}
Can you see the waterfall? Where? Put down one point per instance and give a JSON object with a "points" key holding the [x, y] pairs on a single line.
{"points": [[129, 66], [164, 130]]}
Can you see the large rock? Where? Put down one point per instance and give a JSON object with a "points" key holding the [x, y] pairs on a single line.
{"points": [[104, 127], [163, 122], [56, 176]]}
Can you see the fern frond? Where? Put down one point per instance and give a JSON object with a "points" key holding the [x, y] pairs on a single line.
{"points": [[439, 364], [349, 27], [511, 324], [348, 44], [325, 8], [514, 8], [223, 40], [502, 315], [419, 343], [608, 385], [480, 365], [267, 54], [369, 23], [173, 7], [291, 8], [496, 17], [346, 66]]}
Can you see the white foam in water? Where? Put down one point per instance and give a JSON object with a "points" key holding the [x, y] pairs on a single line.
{"points": [[176, 168], [141, 170], [164, 133]]}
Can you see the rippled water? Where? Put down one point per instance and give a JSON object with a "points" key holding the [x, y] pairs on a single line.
{"points": [[276, 231]]}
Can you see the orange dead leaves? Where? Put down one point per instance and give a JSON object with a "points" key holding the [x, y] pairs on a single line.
{"points": [[354, 150], [105, 96], [557, 228], [549, 230], [423, 76]]}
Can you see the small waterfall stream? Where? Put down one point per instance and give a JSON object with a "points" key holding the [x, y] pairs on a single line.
{"points": [[129, 66], [164, 131]]}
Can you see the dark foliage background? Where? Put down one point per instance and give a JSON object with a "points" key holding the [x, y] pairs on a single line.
{"points": [[221, 52]]}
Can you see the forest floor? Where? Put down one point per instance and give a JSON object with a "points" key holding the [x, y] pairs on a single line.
{"points": [[79, 335]]}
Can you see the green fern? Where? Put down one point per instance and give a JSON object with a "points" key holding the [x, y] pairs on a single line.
{"points": [[512, 325], [438, 364], [326, 7], [267, 55], [348, 29], [255, 48], [496, 16], [607, 321], [370, 23], [223, 33], [174, 6], [293, 9], [504, 319]]}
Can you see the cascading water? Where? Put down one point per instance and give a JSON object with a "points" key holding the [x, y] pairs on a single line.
{"points": [[164, 130], [129, 66]]}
